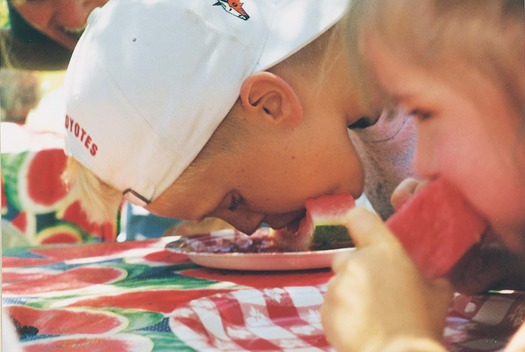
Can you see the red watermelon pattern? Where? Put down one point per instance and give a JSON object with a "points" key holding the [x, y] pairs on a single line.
{"points": [[36, 202], [67, 320], [42, 170], [136, 296], [67, 281], [23, 222]]}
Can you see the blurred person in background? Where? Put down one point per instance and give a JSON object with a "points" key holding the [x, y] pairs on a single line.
{"points": [[41, 35], [19, 94]]}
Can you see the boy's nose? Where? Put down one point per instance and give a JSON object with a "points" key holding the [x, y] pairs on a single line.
{"points": [[277, 221], [247, 228], [246, 222]]}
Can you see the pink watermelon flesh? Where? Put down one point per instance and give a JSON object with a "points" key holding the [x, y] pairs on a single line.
{"points": [[321, 228], [436, 227]]}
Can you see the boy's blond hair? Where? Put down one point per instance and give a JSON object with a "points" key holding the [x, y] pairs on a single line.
{"points": [[100, 201]]}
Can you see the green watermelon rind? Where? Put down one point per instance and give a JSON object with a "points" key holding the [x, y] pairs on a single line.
{"points": [[330, 237], [133, 342], [62, 226], [322, 228], [138, 319], [23, 191], [166, 341], [11, 164], [15, 168]]}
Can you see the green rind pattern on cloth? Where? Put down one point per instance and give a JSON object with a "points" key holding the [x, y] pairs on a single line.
{"points": [[10, 163]]}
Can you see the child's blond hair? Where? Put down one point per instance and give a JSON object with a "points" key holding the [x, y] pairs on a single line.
{"points": [[447, 36]]}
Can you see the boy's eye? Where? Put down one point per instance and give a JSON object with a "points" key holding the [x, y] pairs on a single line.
{"points": [[235, 202], [364, 122]]}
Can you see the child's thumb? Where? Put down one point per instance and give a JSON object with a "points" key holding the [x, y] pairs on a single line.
{"points": [[404, 191]]}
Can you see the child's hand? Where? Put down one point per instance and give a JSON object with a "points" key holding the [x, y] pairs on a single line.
{"points": [[404, 191], [378, 300]]}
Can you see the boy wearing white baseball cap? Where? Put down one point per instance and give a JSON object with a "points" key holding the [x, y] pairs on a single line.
{"points": [[208, 108]]}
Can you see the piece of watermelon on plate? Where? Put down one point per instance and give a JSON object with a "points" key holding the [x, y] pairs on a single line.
{"points": [[321, 228], [436, 227]]}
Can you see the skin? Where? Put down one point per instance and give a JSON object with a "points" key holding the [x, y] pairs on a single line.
{"points": [[459, 139], [60, 20]]}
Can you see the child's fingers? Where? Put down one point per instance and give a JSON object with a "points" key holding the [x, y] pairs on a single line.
{"points": [[366, 229], [339, 261]]}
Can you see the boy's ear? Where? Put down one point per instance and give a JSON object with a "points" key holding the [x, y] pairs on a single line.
{"points": [[269, 94]]}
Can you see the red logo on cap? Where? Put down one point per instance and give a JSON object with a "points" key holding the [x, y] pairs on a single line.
{"points": [[233, 8], [80, 133]]}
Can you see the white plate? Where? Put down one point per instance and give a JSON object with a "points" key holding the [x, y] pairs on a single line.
{"points": [[205, 250]]}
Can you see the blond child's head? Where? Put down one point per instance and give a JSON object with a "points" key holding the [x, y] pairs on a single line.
{"points": [[159, 92], [451, 38], [458, 68]]}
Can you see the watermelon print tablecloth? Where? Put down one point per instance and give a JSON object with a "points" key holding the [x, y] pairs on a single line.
{"points": [[35, 202], [136, 296]]}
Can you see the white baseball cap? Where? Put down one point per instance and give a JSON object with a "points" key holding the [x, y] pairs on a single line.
{"points": [[150, 80]]}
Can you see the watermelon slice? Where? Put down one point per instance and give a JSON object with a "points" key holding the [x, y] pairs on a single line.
{"points": [[60, 233], [67, 321], [436, 227], [322, 227], [33, 180], [124, 342]]}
